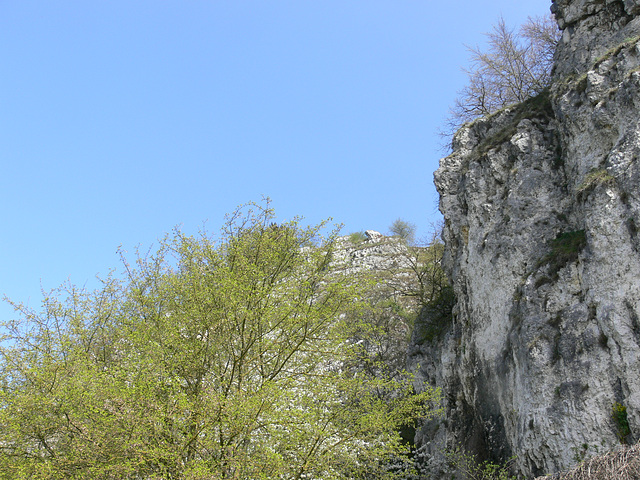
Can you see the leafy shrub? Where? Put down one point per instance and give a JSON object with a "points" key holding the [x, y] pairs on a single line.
{"points": [[565, 249], [472, 469], [357, 237], [403, 229], [215, 357], [436, 316], [619, 415]]}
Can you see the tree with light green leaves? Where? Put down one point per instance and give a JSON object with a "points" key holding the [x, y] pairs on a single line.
{"points": [[228, 357], [403, 229]]}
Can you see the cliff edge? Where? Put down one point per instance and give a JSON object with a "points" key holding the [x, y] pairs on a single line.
{"points": [[542, 216]]}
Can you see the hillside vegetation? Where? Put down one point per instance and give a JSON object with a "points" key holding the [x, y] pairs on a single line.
{"points": [[241, 356]]}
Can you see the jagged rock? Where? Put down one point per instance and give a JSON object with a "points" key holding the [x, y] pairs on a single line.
{"points": [[542, 207], [590, 28], [373, 235], [377, 253]]}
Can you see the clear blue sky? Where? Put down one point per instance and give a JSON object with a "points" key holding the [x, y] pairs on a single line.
{"points": [[122, 119]]}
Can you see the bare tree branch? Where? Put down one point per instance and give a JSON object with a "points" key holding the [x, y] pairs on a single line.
{"points": [[514, 67]]}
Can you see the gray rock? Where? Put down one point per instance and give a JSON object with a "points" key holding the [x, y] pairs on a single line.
{"points": [[542, 209], [373, 235]]}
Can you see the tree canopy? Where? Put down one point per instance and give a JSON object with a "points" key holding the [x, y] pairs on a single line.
{"points": [[403, 229], [228, 357]]}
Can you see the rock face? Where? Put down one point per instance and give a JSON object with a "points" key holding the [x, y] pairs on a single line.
{"points": [[590, 28], [542, 213], [376, 253]]}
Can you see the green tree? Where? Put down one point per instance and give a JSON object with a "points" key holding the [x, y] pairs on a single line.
{"points": [[226, 357], [403, 229]]}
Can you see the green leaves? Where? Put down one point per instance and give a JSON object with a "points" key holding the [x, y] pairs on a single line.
{"points": [[619, 415], [216, 358]]}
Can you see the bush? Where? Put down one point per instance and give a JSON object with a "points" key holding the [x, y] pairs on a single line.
{"points": [[405, 230], [357, 237], [565, 249], [214, 357], [619, 415], [472, 469], [436, 316]]}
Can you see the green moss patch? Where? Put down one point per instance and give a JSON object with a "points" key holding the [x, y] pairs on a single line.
{"points": [[565, 249]]}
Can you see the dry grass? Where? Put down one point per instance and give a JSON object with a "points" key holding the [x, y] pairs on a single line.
{"points": [[622, 464]]}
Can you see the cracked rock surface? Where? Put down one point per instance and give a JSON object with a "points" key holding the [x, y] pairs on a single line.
{"points": [[542, 216]]}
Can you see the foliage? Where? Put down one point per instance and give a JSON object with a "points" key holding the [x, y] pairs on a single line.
{"points": [[619, 415], [472, 469], [431, 289], [406, 279], [403, 229], [388, 324], [515, 67], [565, 249], [357, 237], [594, 178], [534, 107], [216, 358], [436, 317]]}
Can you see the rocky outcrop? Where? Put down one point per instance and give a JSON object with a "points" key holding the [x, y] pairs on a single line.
{"points": [[542, 213], [375, 252], [590, 28]]}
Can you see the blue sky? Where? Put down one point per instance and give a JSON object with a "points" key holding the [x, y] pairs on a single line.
{"points": [[123, 119]]}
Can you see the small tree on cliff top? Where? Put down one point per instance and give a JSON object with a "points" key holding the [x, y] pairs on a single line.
{"points": [[403, 229], [513, 68]]}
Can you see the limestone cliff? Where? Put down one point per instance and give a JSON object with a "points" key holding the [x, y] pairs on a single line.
{"points": [[542, 211]]}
